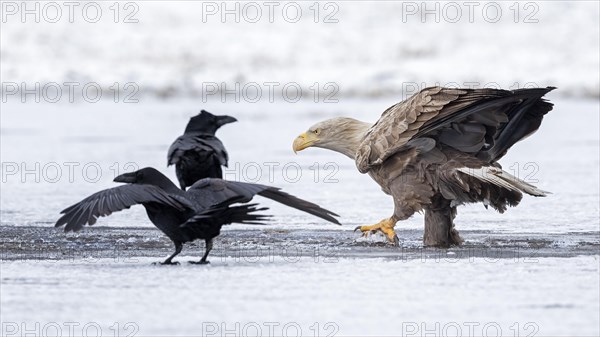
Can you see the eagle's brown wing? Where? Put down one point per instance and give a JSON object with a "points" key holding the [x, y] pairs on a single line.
{"points": [[482, 122]]}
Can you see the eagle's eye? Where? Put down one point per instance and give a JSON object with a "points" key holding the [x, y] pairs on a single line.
{"points": [[317, 131]]}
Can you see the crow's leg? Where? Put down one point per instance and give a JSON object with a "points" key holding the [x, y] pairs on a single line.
{"points": [[169, 260], [209, 246]]}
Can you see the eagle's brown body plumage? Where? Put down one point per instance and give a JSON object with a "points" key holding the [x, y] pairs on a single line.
{"points": [[439, 149]]}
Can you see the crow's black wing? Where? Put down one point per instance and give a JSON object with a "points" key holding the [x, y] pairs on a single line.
{"points": [[197, 156], [208, 192], [199, 143], [115, 199]]}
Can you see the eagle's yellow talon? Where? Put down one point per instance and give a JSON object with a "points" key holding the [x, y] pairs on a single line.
{"points": [[385, 226]]}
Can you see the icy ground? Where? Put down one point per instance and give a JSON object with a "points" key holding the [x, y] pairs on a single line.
{"points": [[346, 297], [531, 271], [79, 149]]}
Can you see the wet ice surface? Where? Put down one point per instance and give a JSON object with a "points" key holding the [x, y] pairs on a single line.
{"points": [[367, 288], [563, 157]]}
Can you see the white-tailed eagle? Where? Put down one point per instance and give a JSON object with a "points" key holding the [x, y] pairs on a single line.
{"points": [[437, 150]]}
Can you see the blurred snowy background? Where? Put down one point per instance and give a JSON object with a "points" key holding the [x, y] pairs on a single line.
{"points": [[366, 48]]}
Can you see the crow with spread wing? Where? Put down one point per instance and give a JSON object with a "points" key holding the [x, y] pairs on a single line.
{"points": [[198, 213]]}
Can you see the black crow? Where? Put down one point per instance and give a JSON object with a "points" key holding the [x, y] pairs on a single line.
{"points": [[198, 213], [198, 153]]}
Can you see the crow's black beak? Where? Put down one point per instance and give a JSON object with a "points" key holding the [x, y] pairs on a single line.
{"points": [[129, 178], [222, 120]]}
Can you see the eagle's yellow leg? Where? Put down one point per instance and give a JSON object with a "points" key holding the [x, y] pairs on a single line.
{"points": [[385, 226]]}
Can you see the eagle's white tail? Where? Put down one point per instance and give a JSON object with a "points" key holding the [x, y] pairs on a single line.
{"points": [[503, 179]]}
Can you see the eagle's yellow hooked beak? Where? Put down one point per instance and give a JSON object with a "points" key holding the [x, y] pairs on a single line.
{"points": [[304, 140]]}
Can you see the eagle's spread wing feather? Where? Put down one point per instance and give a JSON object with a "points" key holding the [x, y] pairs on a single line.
{"points": [[399, 123], [482, 122]]}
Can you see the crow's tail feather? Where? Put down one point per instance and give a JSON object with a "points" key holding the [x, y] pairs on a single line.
{"points": [[224, 215]]}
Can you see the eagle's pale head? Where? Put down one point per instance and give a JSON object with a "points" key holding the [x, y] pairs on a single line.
{"points": [[340, 134]]}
